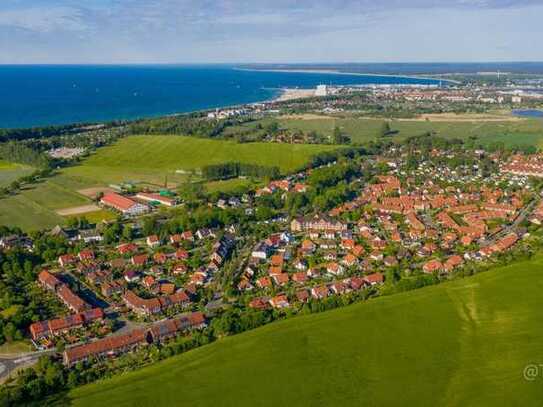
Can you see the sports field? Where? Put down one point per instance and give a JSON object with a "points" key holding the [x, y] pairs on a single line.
{"points": [[152, 158], [35, 206], [463, 343]]}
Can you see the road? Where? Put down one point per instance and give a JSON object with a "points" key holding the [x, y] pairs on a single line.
{"points": [[10, 363], [524, 213]]}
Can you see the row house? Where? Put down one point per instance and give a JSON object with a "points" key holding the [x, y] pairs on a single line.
{"points": [[114, 345], [58, 326]]}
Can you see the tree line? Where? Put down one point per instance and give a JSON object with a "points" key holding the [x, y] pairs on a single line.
{"points": [[237, 169], [20, 153]]}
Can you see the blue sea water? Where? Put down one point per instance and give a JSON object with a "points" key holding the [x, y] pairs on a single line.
{"points": [[55, 94]]}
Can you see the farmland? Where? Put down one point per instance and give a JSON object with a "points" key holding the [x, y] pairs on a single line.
{"points": [[464, 342], [152, 158]]}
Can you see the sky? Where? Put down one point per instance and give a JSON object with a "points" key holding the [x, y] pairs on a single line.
{"points": [[242, 31]]}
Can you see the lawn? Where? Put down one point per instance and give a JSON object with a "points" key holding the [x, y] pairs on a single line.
{"points": [[463, 343], [228, 186], [152, 158], [96, 216], [14, 348]]}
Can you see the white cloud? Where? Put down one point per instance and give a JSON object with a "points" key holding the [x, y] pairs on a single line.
{"points": [[44, 19]]}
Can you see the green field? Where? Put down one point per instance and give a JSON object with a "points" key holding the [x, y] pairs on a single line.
{"points": [[152, 158], [463, 343], [9, 172], [522, 132], [34, 207], [229, 185], [140, 159]]}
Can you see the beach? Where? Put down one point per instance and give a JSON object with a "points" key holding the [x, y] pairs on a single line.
{"points": [[293, 93]]}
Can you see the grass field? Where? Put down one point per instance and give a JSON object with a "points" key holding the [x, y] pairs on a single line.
{"points": [[34, 206], [229, 185], [9, 172], [521, 132], [362, 129], [97, 216], [463, 343], [143, 159], [11, 348], [151, 158]]}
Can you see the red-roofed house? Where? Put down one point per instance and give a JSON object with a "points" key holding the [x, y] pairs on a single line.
{"points": [[123, 204], [66, 260]]}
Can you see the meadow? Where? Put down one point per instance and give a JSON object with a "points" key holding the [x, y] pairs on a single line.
{"points": [[511, 133], [461, 343], [35, 206], [153, 158], [9, 172]]}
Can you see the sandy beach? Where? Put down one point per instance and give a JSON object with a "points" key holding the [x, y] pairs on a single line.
{"points": [[291, 94]]}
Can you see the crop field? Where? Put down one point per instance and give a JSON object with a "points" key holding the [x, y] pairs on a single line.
{"points": [[462, 343], [152, 158]]}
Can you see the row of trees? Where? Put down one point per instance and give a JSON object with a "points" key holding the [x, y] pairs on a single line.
{"points": [[20, 153], [237, 169], [187, 125]]}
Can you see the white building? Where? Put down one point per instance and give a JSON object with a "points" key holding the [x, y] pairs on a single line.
{"points": [[321, 90]]}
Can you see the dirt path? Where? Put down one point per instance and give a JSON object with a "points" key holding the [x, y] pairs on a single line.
{"points": [[77, 210], [93, 192], [467, 117]]}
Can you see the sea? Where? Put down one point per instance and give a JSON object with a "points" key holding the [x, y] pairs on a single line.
{"points": [[43, 95]]}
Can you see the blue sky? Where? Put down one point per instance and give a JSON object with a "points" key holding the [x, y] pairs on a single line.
{"points": [[185, 31]]}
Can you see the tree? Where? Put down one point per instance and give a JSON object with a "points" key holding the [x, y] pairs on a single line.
{"points": [[128, 233], [385, 129]]}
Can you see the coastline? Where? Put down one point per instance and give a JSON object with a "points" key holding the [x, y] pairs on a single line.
{"points": [[272, 95], [334, 72], [286, 94]]}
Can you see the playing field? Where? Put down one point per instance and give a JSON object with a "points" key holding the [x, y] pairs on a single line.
{"points": [[35, 206], [464, 343], [152, 158]]}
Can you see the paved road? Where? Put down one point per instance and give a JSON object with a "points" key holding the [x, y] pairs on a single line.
{"points": [[524, 213], [10, 363]]}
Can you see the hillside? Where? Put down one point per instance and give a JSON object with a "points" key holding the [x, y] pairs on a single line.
{"points": [[461, 343]]}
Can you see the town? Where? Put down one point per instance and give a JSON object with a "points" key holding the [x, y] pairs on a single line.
{"points": [[411, 213]]}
